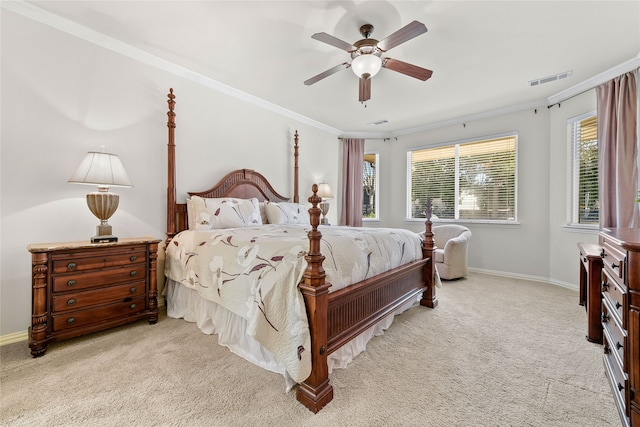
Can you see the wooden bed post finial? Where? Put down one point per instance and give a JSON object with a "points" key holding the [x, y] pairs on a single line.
{"points": [[429, 298], [315, 392]]}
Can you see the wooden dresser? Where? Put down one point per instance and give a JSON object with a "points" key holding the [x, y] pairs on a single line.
{"points": [[621, 318], [80, 287]]}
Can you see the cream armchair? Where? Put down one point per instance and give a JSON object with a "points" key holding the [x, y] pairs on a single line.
{"points": [[452, 242]]}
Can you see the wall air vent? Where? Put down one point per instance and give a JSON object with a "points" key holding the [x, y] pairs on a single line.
{"points": [[548, 79], [379, 122]]}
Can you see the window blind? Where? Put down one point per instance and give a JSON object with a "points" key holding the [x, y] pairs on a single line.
{"points": [[585, 203], [472, 180]]}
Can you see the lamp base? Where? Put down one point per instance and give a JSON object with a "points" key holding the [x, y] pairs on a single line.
{"points": [[103, 234], [104, 239]]}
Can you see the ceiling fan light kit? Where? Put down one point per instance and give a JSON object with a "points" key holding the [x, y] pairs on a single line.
{"points": [[366, 56]]}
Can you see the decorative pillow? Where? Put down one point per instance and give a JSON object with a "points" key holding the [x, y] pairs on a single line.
{"points": [[224, 213], [263, 212], [286, 213]]}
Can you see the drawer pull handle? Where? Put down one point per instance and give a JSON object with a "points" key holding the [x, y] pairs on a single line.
{"points": [[132, 306], [603, 253], [71, 283], [605, 286], [584, 259], [618, 305], [133, 273], [71, 320], [133, 258], [132, 290], [618, 345], [607, 350], [71, 301], [604, 317], [614, 265], [71, 266], [620, 387]]}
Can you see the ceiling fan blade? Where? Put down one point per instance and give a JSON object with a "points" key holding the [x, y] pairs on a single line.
{"points": [[327, 73], [365, 90], [404, 34], [334, 41], [407, 69]]}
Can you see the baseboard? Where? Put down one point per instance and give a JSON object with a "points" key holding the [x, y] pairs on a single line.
{"points": [[24, 335], [15, 337], [548, 280]]}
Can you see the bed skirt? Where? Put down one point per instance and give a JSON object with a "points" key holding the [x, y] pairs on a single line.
{"points": [[211, 318]]}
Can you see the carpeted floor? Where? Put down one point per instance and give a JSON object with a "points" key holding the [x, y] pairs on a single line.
{"points": [[495, 352]]}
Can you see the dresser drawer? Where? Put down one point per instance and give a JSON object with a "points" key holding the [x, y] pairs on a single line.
{"points": [[615, 295], [70, 262], [617, 378], [614, 261], [79, 318], [98, 278], [77, 300], [616, 337]]}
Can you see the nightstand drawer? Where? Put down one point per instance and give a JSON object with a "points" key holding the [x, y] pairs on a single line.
{"points": [[98, 278], [77, 300], [70, 262], [84, 317]]}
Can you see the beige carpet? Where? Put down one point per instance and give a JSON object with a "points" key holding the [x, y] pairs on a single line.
{"points": [[496, 352]]}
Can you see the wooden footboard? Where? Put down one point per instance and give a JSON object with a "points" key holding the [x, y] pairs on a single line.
{"points": [[336, 318]]}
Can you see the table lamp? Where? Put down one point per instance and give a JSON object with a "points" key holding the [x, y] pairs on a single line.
{"points": [[104, 170], [324, 191]]}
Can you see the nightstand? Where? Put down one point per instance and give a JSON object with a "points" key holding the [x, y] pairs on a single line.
{"points": [[84, 287]]}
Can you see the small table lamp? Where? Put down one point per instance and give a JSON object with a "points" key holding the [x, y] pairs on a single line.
{"points": [[104, 170], [324, 191]]}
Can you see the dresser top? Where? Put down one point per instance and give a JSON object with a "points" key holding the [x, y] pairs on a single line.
{"points": [[628, 238], [45, 247]]}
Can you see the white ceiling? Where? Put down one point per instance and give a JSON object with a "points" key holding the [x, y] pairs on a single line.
{"points": [[482, 53]]}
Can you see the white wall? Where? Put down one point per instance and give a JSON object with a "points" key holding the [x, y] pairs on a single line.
{"points": [[62, 97], [519, 250], [563, 249]]}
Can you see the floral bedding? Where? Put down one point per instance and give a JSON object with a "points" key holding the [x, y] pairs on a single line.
{"points": [[254, 272]]}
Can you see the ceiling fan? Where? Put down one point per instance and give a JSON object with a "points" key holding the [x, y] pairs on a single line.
{"points": [[366, 56]]}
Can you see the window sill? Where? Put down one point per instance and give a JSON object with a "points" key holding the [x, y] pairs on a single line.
{"points": [[582, 228], [464, 221]]}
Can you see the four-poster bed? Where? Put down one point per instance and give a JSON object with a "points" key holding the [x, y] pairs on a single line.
{"points": [[335, 318]]}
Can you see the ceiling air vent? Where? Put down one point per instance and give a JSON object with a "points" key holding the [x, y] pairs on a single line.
{"points": [[379, 122], [548, 79]]}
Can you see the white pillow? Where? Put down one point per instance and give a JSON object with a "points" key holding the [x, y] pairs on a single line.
{"points": [[224, 213], [286, 213]]}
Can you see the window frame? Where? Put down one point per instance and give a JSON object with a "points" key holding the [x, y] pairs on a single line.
{"points": [[377, 186], [455, 144], [573, 214]]}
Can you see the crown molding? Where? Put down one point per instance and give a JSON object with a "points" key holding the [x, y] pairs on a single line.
{"points": [[87, 34], [596, 80]]}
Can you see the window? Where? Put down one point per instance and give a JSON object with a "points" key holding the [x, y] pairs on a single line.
{"points": [[469, 180], [584, 166], [370, 186]]}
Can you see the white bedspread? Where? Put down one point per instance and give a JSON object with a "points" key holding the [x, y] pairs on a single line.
{"points": [[254, 272]]}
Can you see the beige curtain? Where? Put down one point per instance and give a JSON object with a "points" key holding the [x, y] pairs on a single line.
{"points": [[352, 158], [618, 151]]}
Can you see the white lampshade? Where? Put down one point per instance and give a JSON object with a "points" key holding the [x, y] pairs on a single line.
{"points": [[366, 65], [102, 169], [324, 191]]}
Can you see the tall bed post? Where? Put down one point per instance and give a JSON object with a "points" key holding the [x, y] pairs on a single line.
{"points": [[315, 392], [429, 298], [171, 173], [295, 167]]}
